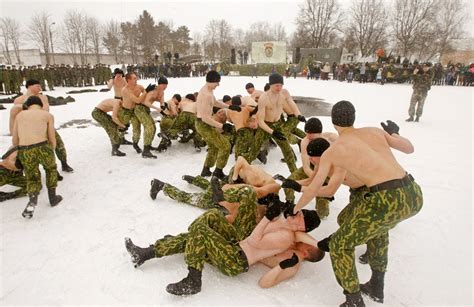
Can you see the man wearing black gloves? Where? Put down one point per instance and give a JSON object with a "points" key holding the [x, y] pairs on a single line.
{"points": [[270, 109], [366, 154], [211, 238]]}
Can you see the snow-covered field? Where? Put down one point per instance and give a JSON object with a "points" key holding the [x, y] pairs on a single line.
{"points": [[74, 253]]}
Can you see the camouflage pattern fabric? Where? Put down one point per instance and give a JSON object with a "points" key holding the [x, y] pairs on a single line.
{"points": [[244, 138], [111, 128], [184, 120], [218, 145], [60, 148], [201, 182], [143, 115], [418, 100], [128, 116], [15, 179], [371, 218], [31, 159], [201, 200], [291, 131], [262, 137]]}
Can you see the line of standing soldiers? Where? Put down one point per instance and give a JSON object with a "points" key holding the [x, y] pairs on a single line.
{"points": [[12, 77]]}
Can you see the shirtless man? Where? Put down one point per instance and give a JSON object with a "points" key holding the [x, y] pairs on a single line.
{"points": [[111, 124], [232, 248], [270, 109], [255, 94], [245, 126], [365, 153], [142, 112], [11, 172], [132, 95], [117, 82], [33, 88], [34, 134], [169, 114], [314, 130], [210, 129]]}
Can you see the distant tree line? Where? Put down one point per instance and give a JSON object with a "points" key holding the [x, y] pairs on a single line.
{"points": [[422, 29]]}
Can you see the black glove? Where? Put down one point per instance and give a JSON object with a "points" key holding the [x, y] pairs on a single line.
{"points": [[390, 127], [217, 193], [329, 198], [150, 87], [288, 210], [238, 180], [227, 127], [235, 108], [279, 177], [254, 111], [290, 262], [164, 107], [301, 118], [291, 184], [122, 129], [324, 244], [274, 208], [266, 200], [279, 135], [127, 126]]}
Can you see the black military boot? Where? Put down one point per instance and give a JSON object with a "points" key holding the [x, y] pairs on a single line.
{"points": [[262, 156], [137, 148], [374, 287], [353, 300], [116, 151], [146, 152], [191, 284], [30, 207], [417, 118], [139, 254], [217, 193], [125, 142], [188, 179], [162, 147], [409, 119], [53, 198], [364, 258], [219, 174], [60, 178], [66, 168], [156, 186], [206, 172]]}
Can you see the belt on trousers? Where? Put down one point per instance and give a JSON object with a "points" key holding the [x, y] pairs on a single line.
{"points": [[32, 146], [392, 184], [244, 258], [117, 97], [102, 111], [355, 190]]}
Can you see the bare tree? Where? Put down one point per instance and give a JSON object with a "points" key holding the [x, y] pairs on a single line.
{"points": [[368, 21], [77, 33], [112, 38], [39, 32], [196, 46], [94, 30], [318, 22], [218, 40], [278, 32], [412, 21], [10, 31], [130, 39]]}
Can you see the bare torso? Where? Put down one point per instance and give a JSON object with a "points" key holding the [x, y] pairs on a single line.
{"points": [[32, 126], [255, 176], [128, 90], [107, 105], [270, 106], [187, 105]]}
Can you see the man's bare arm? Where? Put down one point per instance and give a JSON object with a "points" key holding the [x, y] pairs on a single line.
{"points": [[110, 83], [267, 189], [277, 275], [13, 113], [149, 99], [261, 116], [115, 111], [241, 162], [51, 132], [15, 138], [400, 143], [291, 103], [129, 95]]}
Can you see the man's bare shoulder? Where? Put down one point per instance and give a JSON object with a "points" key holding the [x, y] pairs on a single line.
{"points": [[285, 92], [20, 100]]}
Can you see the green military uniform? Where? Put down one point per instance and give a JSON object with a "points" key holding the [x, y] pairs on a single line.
{"points": [[111, 128], [214, 235], [421, 86], [165, 124], [244, 138], [367, 219], [6, 80], [142, 113], [15, 178], [185, 120], [60, 148], [218, 145], [291, 130], [31, 157], [126, 116], [262, 137]]}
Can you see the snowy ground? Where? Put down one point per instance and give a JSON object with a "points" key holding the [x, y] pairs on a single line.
{"points": [[74, 253]]}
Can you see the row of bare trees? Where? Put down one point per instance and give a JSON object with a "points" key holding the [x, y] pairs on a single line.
{"points": [[410, 28]]}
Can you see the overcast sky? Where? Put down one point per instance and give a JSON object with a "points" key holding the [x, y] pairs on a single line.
{"points": [[192, 13]]}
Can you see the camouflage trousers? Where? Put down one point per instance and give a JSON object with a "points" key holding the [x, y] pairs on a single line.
{"points": [[261, 137], [367, 220], [244, 138], [16, 179], [221, 237], [111, 128], [31, 158], [322, 204], [201, 182], [186, 120], [142, 113], [417, 98], [291, 130], [60, 148], [218, 145], [128, 116]]}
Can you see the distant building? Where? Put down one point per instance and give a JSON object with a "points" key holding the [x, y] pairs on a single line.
{"points": [[463, 52], [273, 52], [321, 54]]}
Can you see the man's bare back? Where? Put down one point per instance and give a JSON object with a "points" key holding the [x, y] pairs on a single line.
{"points": [[33, 126]]}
